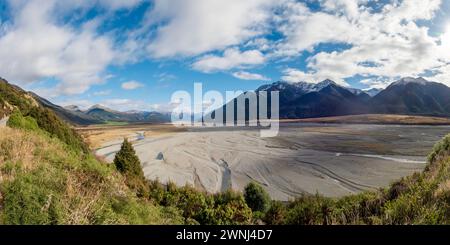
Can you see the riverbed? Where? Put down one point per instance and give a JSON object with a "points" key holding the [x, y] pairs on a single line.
{"points": [[330, 159]]}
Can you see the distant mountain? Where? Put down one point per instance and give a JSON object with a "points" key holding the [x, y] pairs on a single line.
{"points": [[72, 108], [99, 114], [372, 92], [105, 114], [72, 114], [408, 96], [304, 100], [413, 96]]}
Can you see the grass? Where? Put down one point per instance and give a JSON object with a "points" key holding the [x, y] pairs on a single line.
{"points": [[112, 123], [98, 135], [44, 182]]}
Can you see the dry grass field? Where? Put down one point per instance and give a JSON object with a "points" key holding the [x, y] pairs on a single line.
{"points": [[98, 135]]}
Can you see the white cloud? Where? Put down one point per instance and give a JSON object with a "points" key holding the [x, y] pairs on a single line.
{"points": [[102, 93], [349, 8], [131, 85], [387, 44], [34, 46], [231, 58], [82, 104], [377, 82], [193, 27], [293, 75], [163, 108], [250, 76]]}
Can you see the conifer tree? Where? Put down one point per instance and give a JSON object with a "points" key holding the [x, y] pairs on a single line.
{"points": [[128, 163]]}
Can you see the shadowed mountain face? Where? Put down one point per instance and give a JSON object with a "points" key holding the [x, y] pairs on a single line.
{"points": [[304, 100], [331, 100], [413, 96], [408, 96]]}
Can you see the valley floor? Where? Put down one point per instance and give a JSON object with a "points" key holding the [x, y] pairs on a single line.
{"points": [[333, 160]]}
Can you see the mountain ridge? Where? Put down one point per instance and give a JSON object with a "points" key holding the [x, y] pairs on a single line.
{"points": [[410, 96]]}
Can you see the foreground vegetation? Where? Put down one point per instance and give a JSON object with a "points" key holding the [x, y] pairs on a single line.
{"points": [[45, 181], [48, 176]]}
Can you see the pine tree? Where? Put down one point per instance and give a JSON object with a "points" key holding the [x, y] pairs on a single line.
{"points": [[128, 163], [126, 160]]}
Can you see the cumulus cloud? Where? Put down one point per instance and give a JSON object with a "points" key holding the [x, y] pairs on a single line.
{"points": [[193, 27], [231, 58], [377, 82], [250, 76], [294, 75], [131, 85], [34, 45], [388, 43]]}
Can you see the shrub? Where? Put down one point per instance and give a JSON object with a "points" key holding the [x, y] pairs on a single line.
{"points": [[26, 202], [310, 210], [127, 162], [48, 121], [17, 120], [256, 197], [230, 208], [276, 215]]}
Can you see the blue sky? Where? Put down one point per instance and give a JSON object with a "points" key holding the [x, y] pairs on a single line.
{"points": [[133, 54]]}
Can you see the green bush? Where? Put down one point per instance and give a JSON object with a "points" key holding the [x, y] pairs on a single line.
{"points": [[48, 121], [276, 215], [33, 199], [256, 197], [45, 118], [230, 208], [202, 208], [310, 210], [17, 120]]}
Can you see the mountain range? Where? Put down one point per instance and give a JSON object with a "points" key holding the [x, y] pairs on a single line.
{"points": [[408, 96], [99, 114]]}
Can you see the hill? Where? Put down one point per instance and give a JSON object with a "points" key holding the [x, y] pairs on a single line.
{"points": [[413, 97], [98, 114], [105, 114], [75, 117], [408, 96]]}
